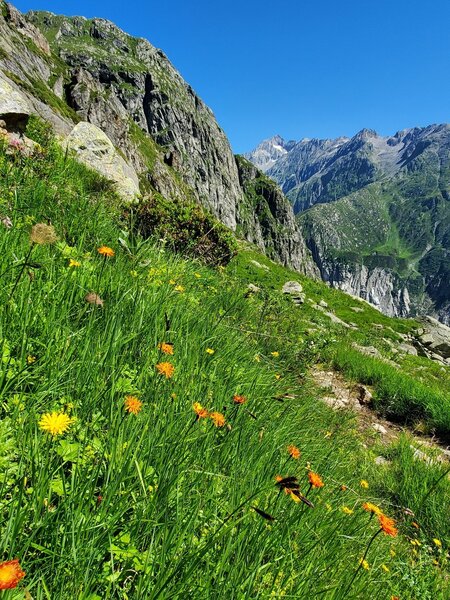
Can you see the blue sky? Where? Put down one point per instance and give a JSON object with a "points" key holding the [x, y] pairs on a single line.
{"points": [[300, 68]]}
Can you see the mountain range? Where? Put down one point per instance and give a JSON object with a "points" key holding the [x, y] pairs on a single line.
{"points": [[374, 211]]}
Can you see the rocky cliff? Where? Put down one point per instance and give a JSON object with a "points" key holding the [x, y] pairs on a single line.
{"points": [[266, 219], [74, 69]]}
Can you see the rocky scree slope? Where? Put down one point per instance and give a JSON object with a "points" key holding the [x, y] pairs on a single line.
{"points": [[73, 69], [375, 212]]}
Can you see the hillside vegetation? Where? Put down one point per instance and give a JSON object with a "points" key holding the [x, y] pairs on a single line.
{"points": [[159, 436]]}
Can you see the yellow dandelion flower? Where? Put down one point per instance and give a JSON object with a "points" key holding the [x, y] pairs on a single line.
{"points": [[277, 376], [106, 251], [10, 574], [365, 565], [210, 351], [172, 281], [415, 543], [347, 510], [372, 508], [218, 419], [275, 354], [385, 568], [132, 404], [437, 542], [179, 288], [31, 359], [55, 423], [364, 484], [166, 369], [328, 434], [74, 263]]}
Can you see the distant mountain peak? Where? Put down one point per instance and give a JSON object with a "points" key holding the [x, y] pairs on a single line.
{"points": [[269, 151]]}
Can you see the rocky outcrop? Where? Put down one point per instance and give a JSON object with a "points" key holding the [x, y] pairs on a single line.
{"points": [[295, 290], [265, 218], [14, 107], [380, 287], [433, 340], [95, 149]]}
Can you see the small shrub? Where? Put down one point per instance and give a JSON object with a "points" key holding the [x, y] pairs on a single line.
{"points": [[186, 228]]}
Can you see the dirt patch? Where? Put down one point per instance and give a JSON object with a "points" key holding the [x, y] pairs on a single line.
{"points": [[341, 394]]}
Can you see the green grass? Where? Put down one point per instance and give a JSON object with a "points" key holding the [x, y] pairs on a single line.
{"points": [[158, 505], [399, 396]]}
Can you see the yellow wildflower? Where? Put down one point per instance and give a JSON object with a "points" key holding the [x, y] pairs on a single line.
{"points": [[385, 568], [365, 565], [347, 510], [201, 412], [166, 347], [132, 404], [179, 288], [74, 263], [166, 369], [55, 423], [210, 351], [218, 419], [372, 508], [437, 542], [31, 359], [364, 484], [275, 354]]}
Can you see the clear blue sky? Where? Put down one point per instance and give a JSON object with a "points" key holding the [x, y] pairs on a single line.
{"points": [[300, 68]]}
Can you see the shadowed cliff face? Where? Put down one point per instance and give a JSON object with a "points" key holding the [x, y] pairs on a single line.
{"points": [[266, 219], [72, 69]]}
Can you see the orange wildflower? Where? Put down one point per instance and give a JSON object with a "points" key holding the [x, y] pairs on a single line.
{"points": [[387, 525], [344, 488], [372, 508], [166, 348], [239, 399], [201, 412], [132, 404], [315, 480], [218, 419], [165, 368], [106, 251], [294, 452], [10, 574]]}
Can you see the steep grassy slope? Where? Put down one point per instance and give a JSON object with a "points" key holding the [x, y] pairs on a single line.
{"points": [[161, 504]]}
